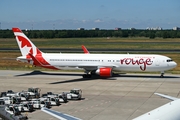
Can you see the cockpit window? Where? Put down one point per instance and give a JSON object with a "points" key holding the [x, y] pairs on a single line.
{"points": [[169, 60]]}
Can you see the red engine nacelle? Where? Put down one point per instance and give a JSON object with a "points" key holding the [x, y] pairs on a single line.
{"points": [[104, 72]]}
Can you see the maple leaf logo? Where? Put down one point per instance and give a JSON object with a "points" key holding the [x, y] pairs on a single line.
{"points": [[24, 42]]}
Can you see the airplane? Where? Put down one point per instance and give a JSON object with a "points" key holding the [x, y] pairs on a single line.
{"points": [[102, 65], [169, 111]]}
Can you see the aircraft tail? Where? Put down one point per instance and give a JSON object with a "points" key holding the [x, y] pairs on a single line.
{"points": [[24, 43], [30, 53]]}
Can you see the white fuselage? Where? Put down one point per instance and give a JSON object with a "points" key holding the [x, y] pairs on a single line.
{"points": [[121, 62], [118, 62]]}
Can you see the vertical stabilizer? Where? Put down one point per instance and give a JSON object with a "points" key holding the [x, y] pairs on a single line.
{"points": [[24, 43]]}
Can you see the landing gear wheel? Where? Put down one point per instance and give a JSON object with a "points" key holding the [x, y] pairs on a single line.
{"points": [[86, 76], [162, 75]]}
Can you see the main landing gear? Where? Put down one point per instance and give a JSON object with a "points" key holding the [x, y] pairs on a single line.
{"points": [[162, 74], [86, 76]]}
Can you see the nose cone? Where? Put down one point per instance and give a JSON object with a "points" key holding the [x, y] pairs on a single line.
{"points": [[175, 64], [172, 64]]}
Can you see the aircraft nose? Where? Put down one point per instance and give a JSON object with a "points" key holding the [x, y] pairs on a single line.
{"points": [[175, 64], [172, 64]]}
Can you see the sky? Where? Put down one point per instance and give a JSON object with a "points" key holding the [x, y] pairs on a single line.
{"points": [[88, 14]]}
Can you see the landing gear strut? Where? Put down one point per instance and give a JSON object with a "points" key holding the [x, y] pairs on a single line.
{"points": [[162, 75], [87, 74]]}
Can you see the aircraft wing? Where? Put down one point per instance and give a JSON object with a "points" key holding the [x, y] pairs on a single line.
{"points": [[169, 111], [166, 96], [59, 115]]}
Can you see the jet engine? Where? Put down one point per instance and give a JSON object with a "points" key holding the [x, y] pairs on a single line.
{"points": [[104, 72]]}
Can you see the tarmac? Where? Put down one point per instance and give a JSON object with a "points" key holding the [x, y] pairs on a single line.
{"points": [[123, 97]]}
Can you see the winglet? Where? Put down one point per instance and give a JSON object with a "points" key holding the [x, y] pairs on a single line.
{"points": [[85, 50]]}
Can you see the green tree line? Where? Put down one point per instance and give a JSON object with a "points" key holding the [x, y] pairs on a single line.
{"points": [[93, 33]]}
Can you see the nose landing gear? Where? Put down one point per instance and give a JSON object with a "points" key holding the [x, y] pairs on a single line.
{"points": [[162, 74]]}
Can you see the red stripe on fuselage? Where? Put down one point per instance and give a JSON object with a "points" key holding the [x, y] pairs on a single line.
{"points": [[43, 62]]}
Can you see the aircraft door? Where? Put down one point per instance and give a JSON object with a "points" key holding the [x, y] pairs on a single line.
{"points": [[157, 62]]}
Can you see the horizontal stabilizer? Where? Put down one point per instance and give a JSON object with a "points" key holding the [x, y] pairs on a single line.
{"points": [[36, 62]]}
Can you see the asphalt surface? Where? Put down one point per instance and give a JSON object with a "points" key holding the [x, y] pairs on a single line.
{"points": [[123, 97]]}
